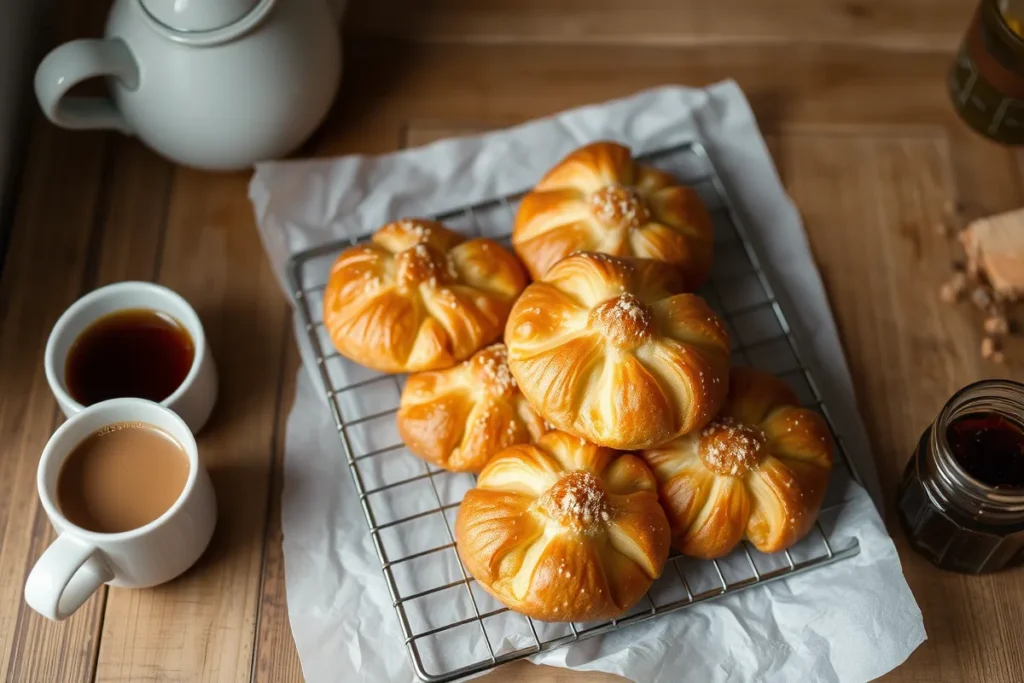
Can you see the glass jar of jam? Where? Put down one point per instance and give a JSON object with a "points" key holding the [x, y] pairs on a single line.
{"points": [[986, 82], [962, 496]]}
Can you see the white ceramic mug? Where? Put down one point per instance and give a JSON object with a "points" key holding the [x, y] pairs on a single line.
{"points": [[80, 561], [193, 400]]}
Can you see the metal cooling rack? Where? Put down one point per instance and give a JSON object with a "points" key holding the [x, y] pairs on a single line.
{"points": [[410, 505]]}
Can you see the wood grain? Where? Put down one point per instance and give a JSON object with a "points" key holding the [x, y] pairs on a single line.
{"points": [[45, 268], [967, 617], [390, 85], [905, 25], [134, 225], [201, 626], [275, 657], [870, 205], [125, 243], [852, 97], [30, 304]]}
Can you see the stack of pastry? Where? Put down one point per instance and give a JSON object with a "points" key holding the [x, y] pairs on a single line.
{"points": [[596, 404]]}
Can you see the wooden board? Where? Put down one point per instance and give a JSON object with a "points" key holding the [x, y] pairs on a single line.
{"points": [[125, 245], [906, 25], [45, 269], [40, 243], [870, 204], [391, 86], [864, 139], [202, 625], [275, 657]]}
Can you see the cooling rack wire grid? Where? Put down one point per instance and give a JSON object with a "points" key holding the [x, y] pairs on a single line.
{"points": [[410, 506]]}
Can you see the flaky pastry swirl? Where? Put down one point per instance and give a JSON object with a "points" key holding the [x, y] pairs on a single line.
{"points": [[419, 297], [459, 417], [611, 350], [563, 530], [758, 471], [599, 199]]}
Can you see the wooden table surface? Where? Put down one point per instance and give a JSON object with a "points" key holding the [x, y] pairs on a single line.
{"points": [[850, 95]]}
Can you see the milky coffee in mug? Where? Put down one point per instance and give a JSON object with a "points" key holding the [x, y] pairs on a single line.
{"points": [[121, 477], [133, 506]]}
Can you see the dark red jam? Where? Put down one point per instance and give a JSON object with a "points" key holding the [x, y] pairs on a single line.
{"points": [[962, 496], [990, 448]]}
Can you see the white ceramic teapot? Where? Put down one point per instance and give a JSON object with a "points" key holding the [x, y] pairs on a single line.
{"points": [[214, 84]]}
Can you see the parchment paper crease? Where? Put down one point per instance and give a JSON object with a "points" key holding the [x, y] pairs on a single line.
{"points": [[851, 621]]}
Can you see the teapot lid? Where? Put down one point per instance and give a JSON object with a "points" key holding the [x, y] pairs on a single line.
{"points": [[197, 15]]}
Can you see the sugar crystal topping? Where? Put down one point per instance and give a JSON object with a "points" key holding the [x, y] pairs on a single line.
{"points": [[624, 320], [731, 448], [576, 501], [449, 264], [418, 230], [628, 306], [420, 265], [491, 365], [619, 207]]}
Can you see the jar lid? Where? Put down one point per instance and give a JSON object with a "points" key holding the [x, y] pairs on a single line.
{"points": [[197, 15]]}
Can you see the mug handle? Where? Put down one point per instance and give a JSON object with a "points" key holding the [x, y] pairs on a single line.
{"points": [[77, 61], [64, 577]]}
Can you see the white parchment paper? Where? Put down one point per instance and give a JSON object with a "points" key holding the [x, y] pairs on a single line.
{"points": [[851, 621]]}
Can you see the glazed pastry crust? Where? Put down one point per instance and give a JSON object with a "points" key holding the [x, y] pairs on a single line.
{"points": [[758, 471], [459, 417], [418, 296], [563, 530], [613, 350], [599, 199]]}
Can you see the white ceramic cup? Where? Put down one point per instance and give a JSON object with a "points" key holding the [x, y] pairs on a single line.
{"points": [[193, 400], [80, 561]]}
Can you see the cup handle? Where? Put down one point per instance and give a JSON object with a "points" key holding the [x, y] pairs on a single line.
{"points": [[64, 577], [74, 62]]}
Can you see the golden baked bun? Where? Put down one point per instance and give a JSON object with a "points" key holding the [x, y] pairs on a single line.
{"points": [[599, 199], [458, 418], [609, 349], [759, 471], [419, 297], [563, 530]]}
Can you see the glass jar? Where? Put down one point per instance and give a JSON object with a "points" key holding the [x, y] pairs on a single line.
{"points": [[951, 517], [986, 82]]}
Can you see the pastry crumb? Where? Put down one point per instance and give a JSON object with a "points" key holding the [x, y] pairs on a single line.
{"points": [[997, 326], [990, 274], [952, 291], [981, 297], [989, 348]]}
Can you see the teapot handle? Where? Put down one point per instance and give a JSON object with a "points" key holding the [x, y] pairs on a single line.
{"points": [[74, 62]]}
